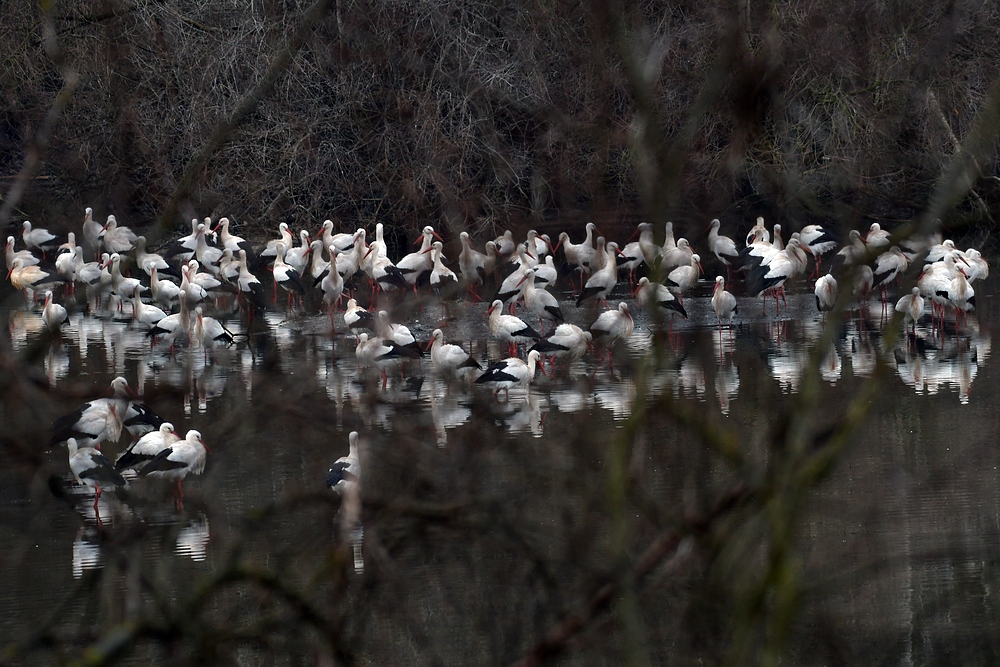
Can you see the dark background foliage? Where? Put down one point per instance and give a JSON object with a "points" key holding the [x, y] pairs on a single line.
{"points": [[481, 114]]}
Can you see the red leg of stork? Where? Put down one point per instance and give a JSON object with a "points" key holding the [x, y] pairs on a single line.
{"points": [[179, 496]]}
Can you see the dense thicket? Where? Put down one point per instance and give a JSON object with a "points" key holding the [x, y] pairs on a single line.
{"points": [[480, 113]]}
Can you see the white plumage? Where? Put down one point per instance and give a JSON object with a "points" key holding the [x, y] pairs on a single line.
{"points": [[345, 473], [449, 359], [509, 373], [509, 328], [723, 302]]}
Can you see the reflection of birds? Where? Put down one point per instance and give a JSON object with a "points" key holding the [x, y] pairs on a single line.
{"points": [[830, 366], [192, 540], [727, 385], [92, 468], [345, 473], [86, 551]]}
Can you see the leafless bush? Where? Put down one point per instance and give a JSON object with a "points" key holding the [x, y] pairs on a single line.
{"points": [[408, 112]]}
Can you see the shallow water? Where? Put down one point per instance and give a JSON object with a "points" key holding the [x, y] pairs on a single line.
{"points": [[898, 546]]}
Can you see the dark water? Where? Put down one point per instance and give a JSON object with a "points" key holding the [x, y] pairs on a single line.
{"points": [[897, 546]]}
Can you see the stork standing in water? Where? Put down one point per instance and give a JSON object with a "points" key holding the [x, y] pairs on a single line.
{"points": [[251, 291], [416, 266], [443, 280], [332, 284], [383, 355], [684, 278], [826, 293], [117, 239], [28, 259], [344, 477], [177, 461], [610, 327], [888, 267], [651, 295], [511, 372], [449, 360], [508, 328], [358, 319], [723, 247], [92, 233], [39, 239], [724, 304], [96, 421], [53, 314], [912, 307], [286, 276], [472, 265], [33, 277], [145, 448], [567, 342], [579, 256], [92, 468], [511, 288], [345, 473], [603, 281], [540, 301], [817, 241]]}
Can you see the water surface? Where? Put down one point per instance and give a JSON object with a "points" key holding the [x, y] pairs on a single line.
{"points": [[897, 546]]}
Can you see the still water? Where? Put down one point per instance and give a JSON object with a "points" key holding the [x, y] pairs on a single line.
{"points": [[898, 546]]}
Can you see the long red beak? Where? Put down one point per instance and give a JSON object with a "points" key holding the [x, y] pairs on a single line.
{"points": [[522, 279], [489, 311], [541, 367], [559, 243], [438, 237], [634, 234]]}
